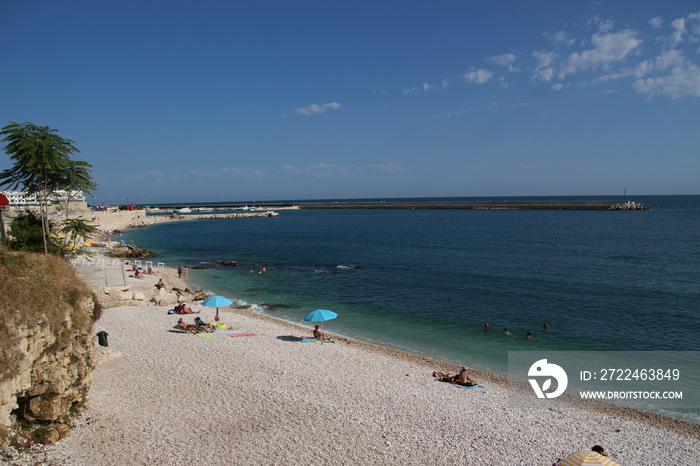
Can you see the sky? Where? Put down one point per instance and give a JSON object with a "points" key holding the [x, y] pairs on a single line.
{"points": [[215, 101]]}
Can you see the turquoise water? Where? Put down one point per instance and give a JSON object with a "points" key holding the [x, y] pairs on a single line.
{"points": [[427, 280]]}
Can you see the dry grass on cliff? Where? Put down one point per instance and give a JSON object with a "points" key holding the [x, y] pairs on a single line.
{"points": [[38, 289]]}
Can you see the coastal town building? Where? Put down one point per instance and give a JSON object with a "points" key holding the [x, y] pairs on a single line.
{"points": [[61, 203], [22, 198]]}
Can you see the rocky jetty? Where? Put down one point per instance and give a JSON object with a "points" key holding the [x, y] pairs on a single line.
{"points": [[629, 205]]}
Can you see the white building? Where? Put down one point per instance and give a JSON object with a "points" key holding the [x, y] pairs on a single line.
{"points": [[21, 198]]}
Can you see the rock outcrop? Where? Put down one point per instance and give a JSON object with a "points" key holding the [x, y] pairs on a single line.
{"points": [[131, 252], [46, 346]]}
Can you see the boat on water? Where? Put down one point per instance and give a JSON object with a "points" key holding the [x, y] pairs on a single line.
{"points": [[203, 209], [184, 210]]}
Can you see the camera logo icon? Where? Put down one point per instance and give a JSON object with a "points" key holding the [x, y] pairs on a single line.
{"points": [[542, 368]]}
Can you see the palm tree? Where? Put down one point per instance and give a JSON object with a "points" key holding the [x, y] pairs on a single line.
{"points": [[42, 165], [73, 228]]}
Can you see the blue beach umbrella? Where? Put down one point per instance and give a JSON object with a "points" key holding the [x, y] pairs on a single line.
{"points": [[320, 315], [216, 301]]}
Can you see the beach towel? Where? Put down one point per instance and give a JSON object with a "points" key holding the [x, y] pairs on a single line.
{"points": [[235, 334], [471, 387], [305, 339], [317, 340], [207, 336], [293, 338]]}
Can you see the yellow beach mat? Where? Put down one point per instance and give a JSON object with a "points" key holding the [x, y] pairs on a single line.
{"points": [[207, 336]]}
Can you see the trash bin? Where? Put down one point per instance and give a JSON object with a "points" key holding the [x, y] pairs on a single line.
{"points": [[102, 338]]}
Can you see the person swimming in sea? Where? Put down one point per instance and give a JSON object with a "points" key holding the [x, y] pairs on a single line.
{"points": [[487, 328], [506, 332]]}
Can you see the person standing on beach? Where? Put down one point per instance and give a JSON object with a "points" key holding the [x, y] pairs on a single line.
{"points": [[179, 272], [185, 272]]}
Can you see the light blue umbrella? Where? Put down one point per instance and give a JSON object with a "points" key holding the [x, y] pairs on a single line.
{"points": [[216, 301], [320, 315]]}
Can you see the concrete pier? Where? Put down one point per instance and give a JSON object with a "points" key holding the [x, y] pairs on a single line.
{"points": [[542, 204], [474, 205]]}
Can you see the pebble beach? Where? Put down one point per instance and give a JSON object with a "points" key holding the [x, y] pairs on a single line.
{"points": [[163, 396]]}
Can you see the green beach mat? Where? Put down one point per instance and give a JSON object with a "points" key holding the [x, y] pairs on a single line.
{"points": [[207, 336]]}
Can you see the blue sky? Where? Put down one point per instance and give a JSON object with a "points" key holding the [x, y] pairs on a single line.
{"points": [[179, 101]]}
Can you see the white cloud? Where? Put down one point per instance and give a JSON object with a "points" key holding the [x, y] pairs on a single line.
{"points": [[693, 24], [324, 170], [244, 173], [679, 29], [544, 71], [544, 59], [545, 74], [503, 60], [425, 87], [561, 37], [479, 76], [320, 170], [606, 25], [608, 48], [314, 109], [656, 23], [448, 114], [682, 80], [664, 61], [390, 167]]}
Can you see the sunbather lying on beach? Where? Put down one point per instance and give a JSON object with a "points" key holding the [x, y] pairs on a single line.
{"points": [[203, 326], [182, 308], [461, 378], [185, 326]]}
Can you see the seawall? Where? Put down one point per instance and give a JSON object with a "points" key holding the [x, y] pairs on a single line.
{"points": [[541, 204]]}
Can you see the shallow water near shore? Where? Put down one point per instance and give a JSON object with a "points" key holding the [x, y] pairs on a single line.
{"points": [[427, 280]]}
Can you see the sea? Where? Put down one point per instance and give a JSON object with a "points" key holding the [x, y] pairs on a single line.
{"points": [[427, 281]]}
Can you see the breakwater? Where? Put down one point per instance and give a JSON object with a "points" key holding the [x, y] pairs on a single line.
{"points": [[474, 205], [556, 204]]}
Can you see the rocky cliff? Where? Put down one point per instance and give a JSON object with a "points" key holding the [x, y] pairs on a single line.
{"points": [[46, 358]]}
